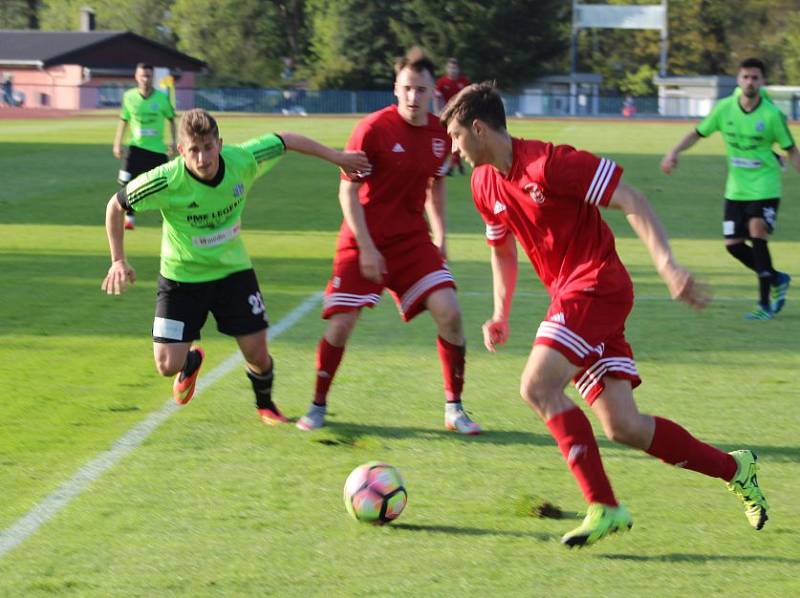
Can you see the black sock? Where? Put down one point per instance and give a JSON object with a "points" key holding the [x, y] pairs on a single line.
{"points": [[262, 386], [743, 253], [191, 364], [764, 269]]}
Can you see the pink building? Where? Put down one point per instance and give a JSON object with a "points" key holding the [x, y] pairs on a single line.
{"points": [[74, 70]]}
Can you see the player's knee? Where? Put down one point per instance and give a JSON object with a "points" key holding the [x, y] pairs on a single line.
{"points": [[340, 327], [167, 365], [625, 430], [537, 392], [449, 322]]}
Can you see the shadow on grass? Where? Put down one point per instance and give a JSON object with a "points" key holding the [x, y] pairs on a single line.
{"points": [[349, 434], [679, 557], [473, 531]]}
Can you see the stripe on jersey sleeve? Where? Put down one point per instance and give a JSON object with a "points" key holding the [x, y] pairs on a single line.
{"points": [[602, 176], [495, 232]]}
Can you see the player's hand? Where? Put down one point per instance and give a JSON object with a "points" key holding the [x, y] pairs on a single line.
{"points": [[372, 265], [119, 276], [495, 332], [683, 286], [117, 151], [353, 163], [669, 163], [442, 247]]}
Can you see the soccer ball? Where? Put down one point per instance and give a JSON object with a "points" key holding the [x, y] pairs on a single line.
{"points": [[375, 493]]}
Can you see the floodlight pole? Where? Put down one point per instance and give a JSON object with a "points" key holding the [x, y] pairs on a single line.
{"points": [[664, 40]]}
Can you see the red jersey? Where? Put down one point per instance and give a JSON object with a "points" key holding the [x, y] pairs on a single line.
{"points": [[403, 159], [448, 87], [549, 201]]}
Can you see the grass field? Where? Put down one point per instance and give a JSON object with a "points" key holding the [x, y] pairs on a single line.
{"points": [[215, 503]]}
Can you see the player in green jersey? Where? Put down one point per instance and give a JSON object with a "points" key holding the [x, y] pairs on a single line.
{"points": [[145, 109], [204, 265], [750, 125]]}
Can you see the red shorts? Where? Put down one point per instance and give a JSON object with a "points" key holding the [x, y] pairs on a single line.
{"points": [[590, 332], [415, 269]]}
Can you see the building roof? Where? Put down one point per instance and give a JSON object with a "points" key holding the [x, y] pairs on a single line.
{"points": [[94, 49]]}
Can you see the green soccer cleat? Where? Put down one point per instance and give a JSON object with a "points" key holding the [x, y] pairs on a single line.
{"points": [[761, 312], [779, 291], [600, 521], [745, 485]]}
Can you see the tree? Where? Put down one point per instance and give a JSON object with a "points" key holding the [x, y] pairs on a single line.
{"points": [[145, 17], [19, 14], [241, 40]]}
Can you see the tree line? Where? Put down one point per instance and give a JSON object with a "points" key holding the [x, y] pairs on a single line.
{"points": [[350, 44]]}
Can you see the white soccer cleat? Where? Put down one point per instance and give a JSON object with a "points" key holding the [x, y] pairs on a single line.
{"points": [[457, 420], [314, 419]]}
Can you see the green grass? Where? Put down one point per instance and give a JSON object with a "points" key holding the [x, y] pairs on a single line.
{"points": [[214, 503]]}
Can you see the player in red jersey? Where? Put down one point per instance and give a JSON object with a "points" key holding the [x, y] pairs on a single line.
{"points": [[447, 86], [384, 240], [546, 198]]}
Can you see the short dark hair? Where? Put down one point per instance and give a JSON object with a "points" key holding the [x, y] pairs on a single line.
{"points": [[197, 123], [144, 65], [479, 100], [417, 60], [753, 63]]}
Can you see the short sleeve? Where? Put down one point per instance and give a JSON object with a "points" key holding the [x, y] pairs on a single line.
{"points": [[267, 150], [580, 175], [146, 192], [496, 231], [783, 136], [711, 122], [364, 138]]}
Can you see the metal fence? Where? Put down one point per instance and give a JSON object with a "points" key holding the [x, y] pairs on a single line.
{"points": [[304, 102]]}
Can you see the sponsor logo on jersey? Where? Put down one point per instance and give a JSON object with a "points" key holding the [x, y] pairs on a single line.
{"points": [[194, 204], [238, 190], [535, 191], [398, 149], [760, 126], [438, 146], [499, 206]]}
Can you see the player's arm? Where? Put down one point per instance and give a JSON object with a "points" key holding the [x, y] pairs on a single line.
{"points": [[794, 157], [436, 208], [504, 282], [172, 149], [643, 220], [120, 135], [670, 161], [120, 273], [351, 162], [370, 260]]}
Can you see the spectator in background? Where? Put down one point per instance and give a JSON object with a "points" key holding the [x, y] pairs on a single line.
{"points": [[446, 87], [8, 91], [629, 106]]}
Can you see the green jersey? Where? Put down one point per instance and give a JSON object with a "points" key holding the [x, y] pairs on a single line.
{"points": [[200, 238], [146, 116], [753, 169]]}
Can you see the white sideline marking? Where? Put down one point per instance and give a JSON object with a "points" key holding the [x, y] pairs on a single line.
{"points": [[43, 512]]}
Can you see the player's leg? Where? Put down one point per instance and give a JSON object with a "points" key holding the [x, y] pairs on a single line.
{"points": [[181, 311], [261, 373], [773, 285], [346, 294], [665, 439], [545, 376], [238, 307], [443, 306]]}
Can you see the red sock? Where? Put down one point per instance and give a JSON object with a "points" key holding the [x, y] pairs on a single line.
{"points": [[575, 438], [328, 358], [674, 445], [452, 358]]}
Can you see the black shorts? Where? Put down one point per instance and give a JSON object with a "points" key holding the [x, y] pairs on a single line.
{"points": [[738, 214], [137, 161], [182, 307]]}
